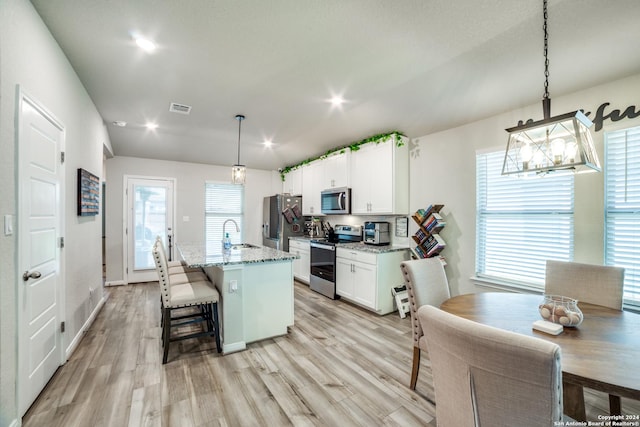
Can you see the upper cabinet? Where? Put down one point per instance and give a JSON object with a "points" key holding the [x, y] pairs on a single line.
{"points": [[293, 182], [380, 179], [312, 181], [336, 170]]}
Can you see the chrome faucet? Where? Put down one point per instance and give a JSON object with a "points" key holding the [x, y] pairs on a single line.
{"points": [[224, 227]]}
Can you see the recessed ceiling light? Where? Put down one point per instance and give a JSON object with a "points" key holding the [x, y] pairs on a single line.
{"points": [[151, 126], [268, 143], [145, 44], [337, 101], [119, 123]]}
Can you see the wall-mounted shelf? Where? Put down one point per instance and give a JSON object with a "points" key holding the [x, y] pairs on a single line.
{"points": [[428, 240]]}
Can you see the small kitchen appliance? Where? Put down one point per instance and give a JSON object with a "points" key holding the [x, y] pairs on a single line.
{"points": [[376, 233]]}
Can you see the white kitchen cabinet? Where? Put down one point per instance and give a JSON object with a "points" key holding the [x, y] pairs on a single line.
{"points": [[379, 176], [367, 278], [336, 171], [293, 182], [312, 176], [301, 265]]}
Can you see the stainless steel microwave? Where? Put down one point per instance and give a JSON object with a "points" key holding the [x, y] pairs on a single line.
{"points": [[336, 201]]}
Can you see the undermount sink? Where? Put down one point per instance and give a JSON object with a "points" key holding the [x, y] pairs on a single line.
{"points": [[243, 246]]}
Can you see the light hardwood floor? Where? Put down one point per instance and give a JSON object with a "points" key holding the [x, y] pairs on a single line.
{"points": [[339, 366]]}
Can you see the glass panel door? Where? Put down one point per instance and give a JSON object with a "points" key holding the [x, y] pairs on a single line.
{"points": [[150, 208]]}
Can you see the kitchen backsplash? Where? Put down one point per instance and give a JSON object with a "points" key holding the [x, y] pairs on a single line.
{"points": [[361, 219]]}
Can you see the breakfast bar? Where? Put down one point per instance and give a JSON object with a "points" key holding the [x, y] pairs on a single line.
{"points": [[256, 289]]}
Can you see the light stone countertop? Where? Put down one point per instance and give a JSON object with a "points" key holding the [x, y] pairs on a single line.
{"points": [[196, 255]]}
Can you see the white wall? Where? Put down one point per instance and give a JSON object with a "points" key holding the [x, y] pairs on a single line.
{"points": [[31, 58], [190, 181], [444, 172]]}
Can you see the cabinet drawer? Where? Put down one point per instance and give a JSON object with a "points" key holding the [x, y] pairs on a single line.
{"points": [[297, 244], [354, 255]]}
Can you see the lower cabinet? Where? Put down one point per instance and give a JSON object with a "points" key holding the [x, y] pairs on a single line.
{"points": [[367, 278], [301, 265]]}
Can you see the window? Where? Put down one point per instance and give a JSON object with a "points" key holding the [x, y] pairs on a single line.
{"points": [[622, 213], [520, 223], [222, 202]]}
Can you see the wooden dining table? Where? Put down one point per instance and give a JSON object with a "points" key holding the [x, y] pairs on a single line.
{"points": [[602, 353]]}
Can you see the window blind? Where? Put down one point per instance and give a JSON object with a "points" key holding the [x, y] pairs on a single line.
{"points": [[622, 213], [520, 223], [223, 202]]}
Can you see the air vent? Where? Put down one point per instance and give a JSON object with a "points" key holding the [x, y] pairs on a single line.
{"points": [[179, 108]]}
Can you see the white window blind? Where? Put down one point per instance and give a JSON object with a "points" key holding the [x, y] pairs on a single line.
{"points": [[520, 223], [622, 214], [223, 202]]}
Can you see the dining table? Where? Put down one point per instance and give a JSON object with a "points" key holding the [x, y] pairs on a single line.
{"points": [[601, 353]]}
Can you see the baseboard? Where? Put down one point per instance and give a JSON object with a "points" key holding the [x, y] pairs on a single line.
{"points": [[15, 423], [232, 348], [76, 340], [115, 283]]}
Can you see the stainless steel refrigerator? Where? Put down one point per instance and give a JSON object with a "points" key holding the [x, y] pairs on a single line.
{"points": [[282, 218]]}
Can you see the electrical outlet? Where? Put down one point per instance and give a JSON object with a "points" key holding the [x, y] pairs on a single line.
{"points": [[233, 286], [91, 294]]}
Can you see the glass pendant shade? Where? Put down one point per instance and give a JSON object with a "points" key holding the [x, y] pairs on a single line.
{"points": [[238, 171], [557, 144], [238, 174]]}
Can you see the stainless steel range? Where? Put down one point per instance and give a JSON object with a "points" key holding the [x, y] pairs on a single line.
{"points": [[323, 258]]}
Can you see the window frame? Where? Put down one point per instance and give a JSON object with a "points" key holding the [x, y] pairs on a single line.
{"points": [[216, 217], [623, 214], [529, 217]]}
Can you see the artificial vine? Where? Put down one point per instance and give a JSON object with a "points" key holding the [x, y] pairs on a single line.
{"points": [[355, 146]]}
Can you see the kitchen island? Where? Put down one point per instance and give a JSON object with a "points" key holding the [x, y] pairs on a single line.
{"points": [[256, 289]]}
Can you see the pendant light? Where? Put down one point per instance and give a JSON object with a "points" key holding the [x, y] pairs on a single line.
{"points": [[561, 143], [238, 171]]}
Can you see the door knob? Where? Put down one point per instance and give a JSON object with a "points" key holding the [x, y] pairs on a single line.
{"points": [[33, 275]]}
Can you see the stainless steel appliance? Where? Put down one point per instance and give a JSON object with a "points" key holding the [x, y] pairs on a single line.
{"points": [[336, 201], [376, 233], [323, 258], [282, 218]]}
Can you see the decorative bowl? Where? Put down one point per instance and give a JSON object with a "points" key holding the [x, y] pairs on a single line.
{"points": [[561, 310]]}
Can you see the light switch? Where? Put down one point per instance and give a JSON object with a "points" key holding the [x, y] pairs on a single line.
{"points": [[8, 225], [233, 286]]}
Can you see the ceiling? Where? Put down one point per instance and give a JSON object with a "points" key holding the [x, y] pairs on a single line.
{"points": [[417, 66]]}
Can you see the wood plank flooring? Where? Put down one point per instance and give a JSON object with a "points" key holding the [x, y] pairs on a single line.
{"points": [[339, 366]]}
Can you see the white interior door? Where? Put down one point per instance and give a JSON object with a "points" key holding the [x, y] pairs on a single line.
{"points": [[40, 287], [149, 214]]}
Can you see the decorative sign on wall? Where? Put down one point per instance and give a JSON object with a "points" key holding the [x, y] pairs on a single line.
{"points": [[601, 115], [88, 193]]}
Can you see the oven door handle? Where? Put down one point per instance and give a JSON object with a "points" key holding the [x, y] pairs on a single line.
{"points": [[321, 246]]}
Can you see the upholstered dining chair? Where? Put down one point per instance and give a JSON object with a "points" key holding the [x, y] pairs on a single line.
{"points": [[184, 290], [426, 283], [175, 267], [484, 376], [593, 284]]}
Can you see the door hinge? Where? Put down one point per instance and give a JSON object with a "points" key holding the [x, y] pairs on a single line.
{"points": [[127, 269], [61, 326], [62, 157], [62, 242]]}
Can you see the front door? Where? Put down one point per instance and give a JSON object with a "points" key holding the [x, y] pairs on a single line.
{"points": [[40, 288], [149, 214]]}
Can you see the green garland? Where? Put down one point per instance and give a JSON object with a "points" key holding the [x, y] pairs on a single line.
{"points": [[355, 146]]}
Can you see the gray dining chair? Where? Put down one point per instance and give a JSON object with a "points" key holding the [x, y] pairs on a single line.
{"points": [[484, 376], [594, 284], [427, 284]]}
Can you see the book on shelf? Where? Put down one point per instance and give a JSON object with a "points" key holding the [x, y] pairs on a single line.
{"points": [[437, 246], [435, 223]]}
